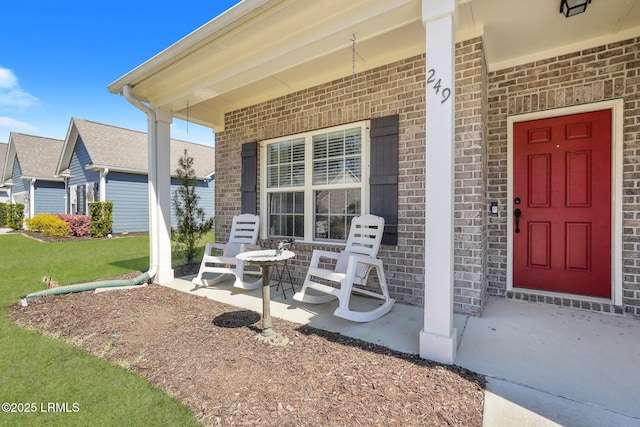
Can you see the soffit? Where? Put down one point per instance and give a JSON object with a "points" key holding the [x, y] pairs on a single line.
{"points": [[263, 49]]}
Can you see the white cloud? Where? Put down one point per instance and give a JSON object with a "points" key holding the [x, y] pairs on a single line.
{"points": [[15, 125], [12, 97], [8, 80]]}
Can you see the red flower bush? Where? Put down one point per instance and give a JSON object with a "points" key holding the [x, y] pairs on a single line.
{"points": [[79, 224]]}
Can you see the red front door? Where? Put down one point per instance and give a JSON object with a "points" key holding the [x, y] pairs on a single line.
{"points": [[562, 204]]}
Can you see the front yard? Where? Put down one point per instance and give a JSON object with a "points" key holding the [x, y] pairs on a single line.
{"points": [[203, 353], [44, 375]]}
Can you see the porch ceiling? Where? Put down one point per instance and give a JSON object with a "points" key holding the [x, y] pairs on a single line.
{"points": [[262, 49]]}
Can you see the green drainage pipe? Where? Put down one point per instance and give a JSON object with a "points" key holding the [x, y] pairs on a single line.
{"points": [[90, 286]]}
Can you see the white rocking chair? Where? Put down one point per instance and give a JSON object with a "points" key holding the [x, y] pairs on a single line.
{"points": [[243, 237], [352, 267]]}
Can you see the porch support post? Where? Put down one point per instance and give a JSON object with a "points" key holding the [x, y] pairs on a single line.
{"points": [[160, 180], [32, 198], [438, 339], [103, 184]]}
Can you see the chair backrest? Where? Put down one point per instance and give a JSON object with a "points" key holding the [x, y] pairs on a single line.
{"points": [[365, 236], [244, 230]]}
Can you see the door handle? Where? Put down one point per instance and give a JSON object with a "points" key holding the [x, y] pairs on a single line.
{"points": [[517, 213]]}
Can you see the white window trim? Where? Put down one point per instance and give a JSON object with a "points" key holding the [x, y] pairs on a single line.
{"points": [[308, 188]]}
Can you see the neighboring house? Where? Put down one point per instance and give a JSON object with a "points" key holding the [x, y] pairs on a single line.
{"points": [[4, 190], [30, 174], [503, 159], [108, 163]]}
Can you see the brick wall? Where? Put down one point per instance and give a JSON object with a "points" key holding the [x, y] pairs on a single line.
{"points": [[397, 88], [470, 203], [603, 73]]}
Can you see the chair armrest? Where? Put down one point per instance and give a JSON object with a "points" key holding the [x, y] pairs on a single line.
{"points": [[362, 259], [319, 253], [209, 246]]}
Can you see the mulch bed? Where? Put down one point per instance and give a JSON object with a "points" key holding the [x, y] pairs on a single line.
{"points": [[205, 354], [47, 238]]}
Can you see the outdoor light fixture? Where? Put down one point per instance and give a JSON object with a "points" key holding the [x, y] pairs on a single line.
{"points": [[573, 7]]}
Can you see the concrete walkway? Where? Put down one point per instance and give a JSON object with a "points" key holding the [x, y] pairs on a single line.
{"points": [[545, 365]]}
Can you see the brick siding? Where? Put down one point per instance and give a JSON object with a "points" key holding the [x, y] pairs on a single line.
{"points": [[397, 88], [483, 103]]}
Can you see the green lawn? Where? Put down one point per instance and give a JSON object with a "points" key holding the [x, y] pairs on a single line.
{"points": [[40, 371]]}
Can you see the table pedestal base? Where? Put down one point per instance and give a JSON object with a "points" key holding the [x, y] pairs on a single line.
{"points": [[268, 335], [272, 338]]}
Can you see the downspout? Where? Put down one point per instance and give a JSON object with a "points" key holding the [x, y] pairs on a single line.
{"points": [[152, 177], [153, 253]]}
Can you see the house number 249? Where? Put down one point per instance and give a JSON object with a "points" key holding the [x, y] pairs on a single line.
{"points": [[437, 85]]}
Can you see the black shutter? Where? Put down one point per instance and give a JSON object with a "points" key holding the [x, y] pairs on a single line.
{"points": [[249, 183], [383, 181]]}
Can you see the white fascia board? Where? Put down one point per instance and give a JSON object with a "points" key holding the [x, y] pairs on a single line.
{"points": [[41, 178], [99, 168]]}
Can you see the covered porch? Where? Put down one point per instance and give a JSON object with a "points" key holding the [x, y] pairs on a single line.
{"points": [[267, 69], [577, 375]]}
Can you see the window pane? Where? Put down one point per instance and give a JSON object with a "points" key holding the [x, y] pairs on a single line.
{"points": [[322, 227], [298, 174], [352, 141], [322, 202], [285, 152], [285, 175], [337, 157], [336, 171], [320, 172], [272, 176], [334, 211], [286, 214], [353, 170], [272, 154], [320, 146], [353, 202], [285, 163]]}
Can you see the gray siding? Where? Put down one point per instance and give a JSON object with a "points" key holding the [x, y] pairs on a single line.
{"points": [[204, 190], [49, 197], [79, 159], [130, 197], [19, 185]]}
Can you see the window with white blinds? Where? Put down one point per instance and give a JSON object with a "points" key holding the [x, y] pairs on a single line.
{"points": [[314, 183]]}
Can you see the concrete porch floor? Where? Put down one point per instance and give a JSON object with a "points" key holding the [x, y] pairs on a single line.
{"points": [[545, 365]]}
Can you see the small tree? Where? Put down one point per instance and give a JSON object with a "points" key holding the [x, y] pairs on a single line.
{"points": [[192, 224], [15, 216], [101, 220]]}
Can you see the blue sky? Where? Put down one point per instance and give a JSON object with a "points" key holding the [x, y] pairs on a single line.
{"points": [[58, 56]]}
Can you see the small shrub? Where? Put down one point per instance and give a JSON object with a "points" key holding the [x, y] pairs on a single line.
{"points": [[4, 209], [79, 224], [15, 216], [101, 218], [49, 224]]}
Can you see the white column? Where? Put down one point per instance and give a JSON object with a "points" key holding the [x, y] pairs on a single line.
{"points": [[162, 187], [32, 198], [438, 340], [103, 184]]}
